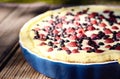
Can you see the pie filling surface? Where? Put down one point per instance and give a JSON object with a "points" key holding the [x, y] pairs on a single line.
{"points": [[88, 34]]}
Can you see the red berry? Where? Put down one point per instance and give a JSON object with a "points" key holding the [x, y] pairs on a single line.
{"points": [[59, 25], [93, 21], [70, 31], [118, 35], [102, 24], [94, 36], [73, 37], [37, 29], [107, 31], [75, 51], [51, 21], [77, 24], [80, 30], [101, 16], [47, 28], [57, 38], [65, 48], [99, 51], [72, 44], [106, 11], [56, 42], [77, 18], [50, 49], [117, 48], [42, 43], [90, 28], [108, 46], [63, 17], [87, 48], [42, 37], [109, 40], [55, 31], [115, 27], [92, 15], [80, 35]]}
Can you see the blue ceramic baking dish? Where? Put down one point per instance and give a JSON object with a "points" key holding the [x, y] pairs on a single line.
{"points": [[63, 70]]}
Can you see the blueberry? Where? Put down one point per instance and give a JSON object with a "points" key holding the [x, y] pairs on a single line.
{"points": [[50, 43], [101, 43]]}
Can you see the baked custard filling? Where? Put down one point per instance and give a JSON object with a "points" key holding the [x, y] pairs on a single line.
{"points": [[88, 34]]}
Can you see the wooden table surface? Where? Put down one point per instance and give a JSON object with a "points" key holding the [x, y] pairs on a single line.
{"points": [[12, 18]]}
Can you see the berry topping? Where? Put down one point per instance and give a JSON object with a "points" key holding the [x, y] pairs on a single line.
{"points": [[82, 30], [93, 15], [115, 28], [109, 40], [99, 51], [70, 30], [75, 51], [108, 46], [50, 49], [72, 44], [93, 21], [73, 37], [94, 36], [65, 48], [117, 48], [101, 43], [107, 31], [42, 44], [106, 11], [102, 24], [55, 31], [118, 35], [90, 28]]}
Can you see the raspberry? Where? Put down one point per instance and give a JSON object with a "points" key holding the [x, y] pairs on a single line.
{"points": [[80, 35], [47, 28], [72, 44], [55, 31], [51, 21], [73, 37], [109, 40], [77, 24], [80, 30], [50, 49], [92, 15], [93, 21], [117, 48], [115, 27], [94, 36], [106, 11], [107, 31], [99, 51], [90, 28], [118, 35], [59, 25], [75, 51], [65, 48], [87, 48], [42, 37], [102, 24], [70, 31], [108, 46], [42, 44]]}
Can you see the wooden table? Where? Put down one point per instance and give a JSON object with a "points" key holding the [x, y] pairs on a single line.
{"points": [[12, 18]]}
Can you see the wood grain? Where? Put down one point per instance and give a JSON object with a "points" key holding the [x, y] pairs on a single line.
{"points": [[12, 18], [18, 68]]}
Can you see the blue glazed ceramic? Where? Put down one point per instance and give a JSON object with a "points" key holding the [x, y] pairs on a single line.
{"points": [[62, 70]]}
